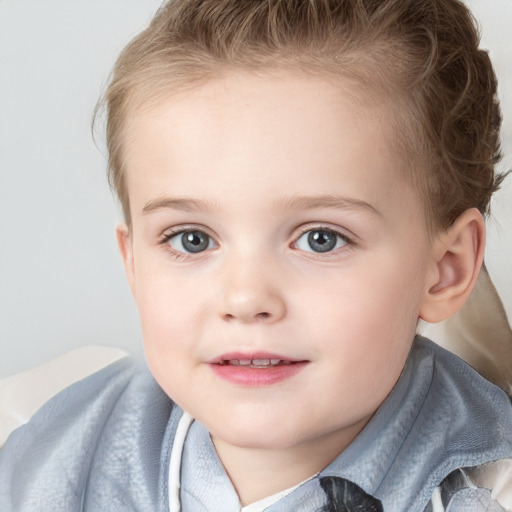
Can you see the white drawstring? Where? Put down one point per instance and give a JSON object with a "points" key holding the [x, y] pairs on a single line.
{"points": [[175, 463]]}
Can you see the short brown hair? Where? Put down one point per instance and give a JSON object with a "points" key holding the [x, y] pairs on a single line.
{"points": [[424, 52]]}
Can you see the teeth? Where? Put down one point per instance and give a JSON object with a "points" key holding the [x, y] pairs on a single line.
{"points": [[254, 362], [261, 362]]}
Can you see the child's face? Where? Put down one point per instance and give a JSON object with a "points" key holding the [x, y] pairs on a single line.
{"points": [[303, 246]]}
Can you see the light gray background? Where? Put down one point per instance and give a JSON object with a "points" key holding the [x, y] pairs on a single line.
{"points": [[61, 280]]}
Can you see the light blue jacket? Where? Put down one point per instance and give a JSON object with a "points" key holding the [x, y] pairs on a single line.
{"points": [[104, 444]]}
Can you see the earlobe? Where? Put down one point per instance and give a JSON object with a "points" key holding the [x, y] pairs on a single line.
{"points": [[124, 242], [458, 255]]}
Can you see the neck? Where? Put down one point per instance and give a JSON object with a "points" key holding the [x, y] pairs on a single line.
{"points": [[257, 473]]}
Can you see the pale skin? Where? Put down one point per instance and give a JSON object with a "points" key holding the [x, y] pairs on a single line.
{"points": [[256, 165]]}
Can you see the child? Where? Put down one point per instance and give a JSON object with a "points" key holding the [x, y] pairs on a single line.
{"points": [[301, 181]]}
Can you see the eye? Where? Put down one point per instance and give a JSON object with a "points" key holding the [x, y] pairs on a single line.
{"points": [[321, 240], [193, 241]]}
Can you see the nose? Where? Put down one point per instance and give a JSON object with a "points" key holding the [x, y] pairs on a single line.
{"points": [[251, 294]]}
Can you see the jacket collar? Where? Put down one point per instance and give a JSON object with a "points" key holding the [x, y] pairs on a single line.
{"points": [[441, 415]]}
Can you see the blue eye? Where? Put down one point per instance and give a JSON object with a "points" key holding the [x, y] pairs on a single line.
{"points": [[191, 241], [320, 240]]}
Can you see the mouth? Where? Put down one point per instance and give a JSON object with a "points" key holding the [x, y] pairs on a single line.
{"points": [[256, 370]]}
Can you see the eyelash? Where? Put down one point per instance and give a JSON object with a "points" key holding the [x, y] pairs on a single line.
{"points": [[170, 234]]}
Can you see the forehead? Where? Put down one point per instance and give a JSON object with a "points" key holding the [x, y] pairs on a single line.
{"points": [[271, 133]]}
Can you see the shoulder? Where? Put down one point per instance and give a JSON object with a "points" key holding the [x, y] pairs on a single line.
{"points": [[476, 415], [100, 418], [463, 383], [90, 401], [23, 394], [477, 436]]}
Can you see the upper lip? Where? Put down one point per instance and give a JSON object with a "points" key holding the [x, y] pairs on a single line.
{"points": [[252, 356]]}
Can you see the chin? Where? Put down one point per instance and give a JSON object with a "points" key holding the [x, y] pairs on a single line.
{"points": [[269, 434], [255, 440]]}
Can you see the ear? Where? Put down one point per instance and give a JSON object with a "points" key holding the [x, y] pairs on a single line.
{"points": [[124, 242], [458, 255]]}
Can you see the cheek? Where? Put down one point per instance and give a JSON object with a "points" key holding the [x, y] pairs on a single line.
{"points": [[169, 333], [375, 298], [169, 316], [368, 318], [165, 299]]}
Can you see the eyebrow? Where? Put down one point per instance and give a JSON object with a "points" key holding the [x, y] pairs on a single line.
{"points": [[182, 203], [328, 201]]}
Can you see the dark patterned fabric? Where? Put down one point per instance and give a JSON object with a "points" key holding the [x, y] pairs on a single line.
{"points": [[345, 496]]}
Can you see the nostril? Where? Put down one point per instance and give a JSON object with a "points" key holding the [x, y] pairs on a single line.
{"points": [[264, 315]]}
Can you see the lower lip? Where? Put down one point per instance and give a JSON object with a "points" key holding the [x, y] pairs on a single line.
{"points": [[257, 377]]}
